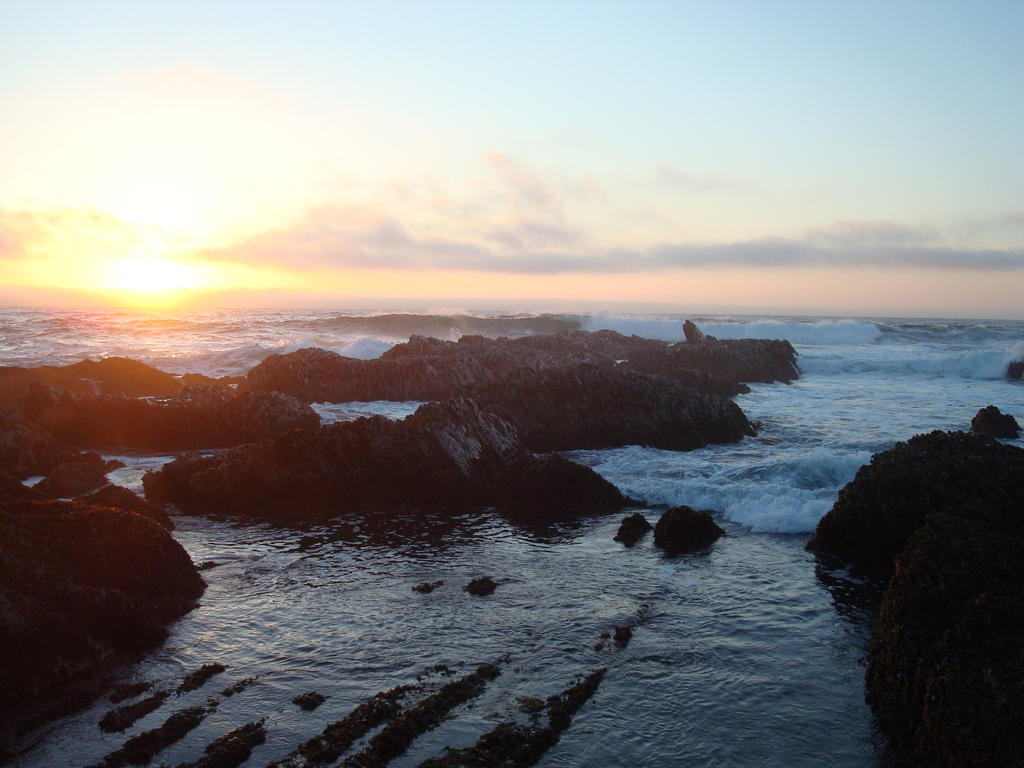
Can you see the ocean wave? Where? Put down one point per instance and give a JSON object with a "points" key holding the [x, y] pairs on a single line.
{"points": [[975, 364], [810, 333], [400, 326]]}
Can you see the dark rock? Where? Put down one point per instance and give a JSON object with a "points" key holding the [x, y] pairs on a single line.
{"points": [[623, 634], [1015, 370], [449, 455], [238, 687], [407, 725], [589, 406], [309, 700], [512, 744], [693, 334], [632, 529], [682, 529], [946, 661], [427, 587], [122, 718], [232, 749], [198, 678], [73, 597], [430, 369], [944, 514], [548, 488], [141, 749], [127, 691], [111, 495], [481, 586], [79, 476], [111, 376], [27, 449], [196, 417], [13, 489], [892, 496], [994, 423]]}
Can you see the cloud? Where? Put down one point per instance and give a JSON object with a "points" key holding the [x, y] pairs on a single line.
{"points": [[677, 178], [363, 239]]}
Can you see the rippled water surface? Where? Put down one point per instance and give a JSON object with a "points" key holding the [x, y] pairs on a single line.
{"points": [[739, 655]]}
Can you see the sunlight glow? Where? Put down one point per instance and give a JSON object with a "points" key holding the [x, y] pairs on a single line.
{"points": [[153, 276]]}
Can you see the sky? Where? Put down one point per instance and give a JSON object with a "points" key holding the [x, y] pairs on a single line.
{"points": [[787, 157]]}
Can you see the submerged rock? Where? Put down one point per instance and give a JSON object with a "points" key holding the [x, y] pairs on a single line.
{"points": [[943, 514], [74, 596], [446, 456], [632, 529], [683, 529], [994, 423], [481, 586]]}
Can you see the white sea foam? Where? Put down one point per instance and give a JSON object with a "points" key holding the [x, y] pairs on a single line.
{"points": [[331, 413], [812, 333], [367, 348]]}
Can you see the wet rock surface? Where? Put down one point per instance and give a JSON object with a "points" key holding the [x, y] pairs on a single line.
{"points": [[994, 423], [683, 529], [110, 376], [590, 406], [198, 678], [449, 455], [876, 513], [632, 529], [121, 498], [481, 586], [119, 719], [309, 701], [27, 449], [431, 369], [74, 598], [943, 514], [196, 417], [83, 474], [233, 748]]}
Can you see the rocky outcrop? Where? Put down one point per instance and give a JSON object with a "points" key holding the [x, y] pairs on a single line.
{"points": [[121, 498], [994, 423], [683, 529], [1015, 370], [79, 476], [943, 514], [204, 416], [450, 455], [27, 449], [632, 529], [876, 513], [693, 334], [79, 586], [110, 376], [430, 369], [592, 406]]}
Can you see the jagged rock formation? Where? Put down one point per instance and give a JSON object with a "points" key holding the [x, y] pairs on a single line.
{"points": [[110, 376], [430, 369], [600, 406], [944, 515], [876, 513], [994, 423], [73, 596], [450, 455], [203, 416], [683, 529]]}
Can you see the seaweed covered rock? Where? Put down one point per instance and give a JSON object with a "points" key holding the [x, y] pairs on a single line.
{"points": [[431, 369], [110, 376], [79, 476], [449, 455], [121, 498], [79, 586], [27, 449], [876, 513], [590, 406], [196, 417], [683, 529], [994, 423], [945, 671], [943, 514]]}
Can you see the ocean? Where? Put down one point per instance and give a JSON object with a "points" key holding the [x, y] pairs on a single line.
{"points": [[748, 655]]}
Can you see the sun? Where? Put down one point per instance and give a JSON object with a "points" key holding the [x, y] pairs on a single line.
{"points": [[149, 279]]}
